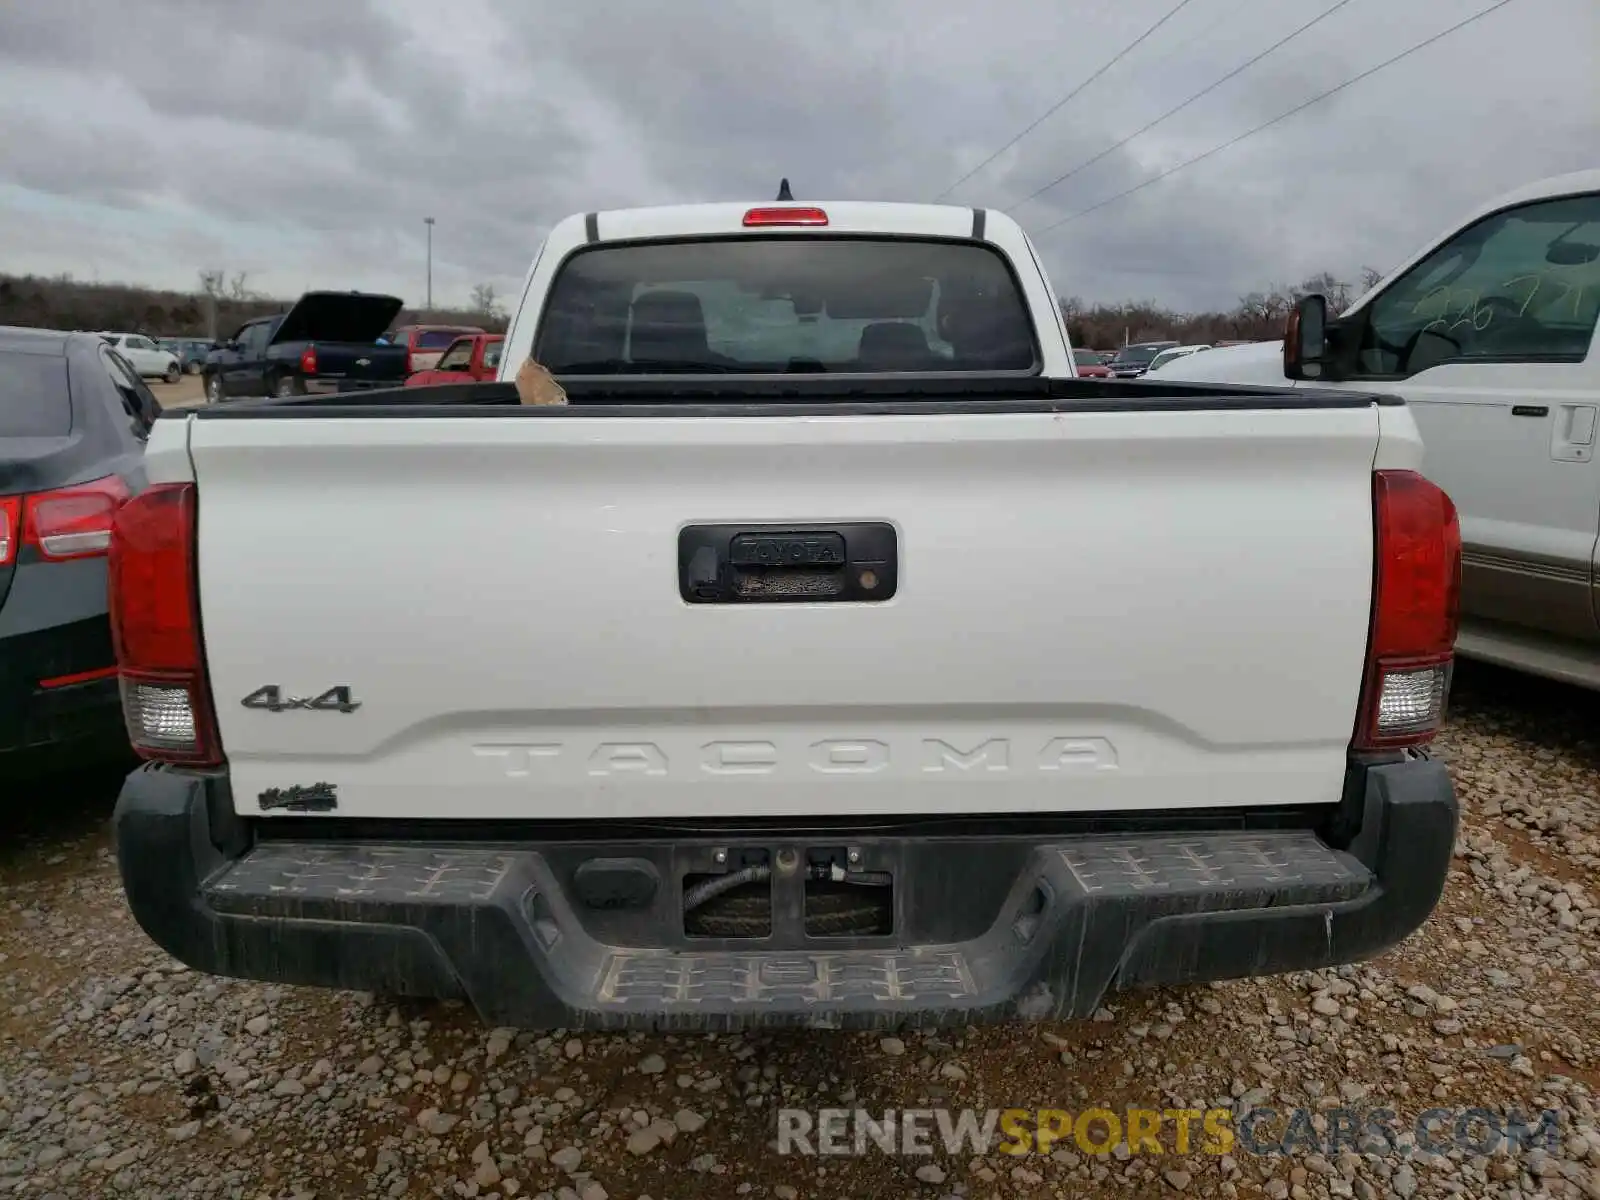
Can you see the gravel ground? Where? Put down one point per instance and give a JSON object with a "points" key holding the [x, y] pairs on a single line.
{"points": [[122, 1073]]}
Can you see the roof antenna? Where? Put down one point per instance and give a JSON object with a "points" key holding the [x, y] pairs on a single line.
{"points": [[783, 191]]}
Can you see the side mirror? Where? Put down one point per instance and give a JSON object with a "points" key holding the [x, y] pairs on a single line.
{"points": [[1305, 340]]}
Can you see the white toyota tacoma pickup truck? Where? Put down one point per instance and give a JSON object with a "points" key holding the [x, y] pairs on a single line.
{"points": [[833, 656]]}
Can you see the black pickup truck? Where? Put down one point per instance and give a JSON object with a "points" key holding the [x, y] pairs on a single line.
{"points": [[328, 342]]}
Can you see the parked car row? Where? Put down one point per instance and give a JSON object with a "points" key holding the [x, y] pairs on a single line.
{"points": [[327, 341], [340, 342], [254, 360]]}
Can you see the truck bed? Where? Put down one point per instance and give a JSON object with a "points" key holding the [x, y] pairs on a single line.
{"points": [[505, 592]]}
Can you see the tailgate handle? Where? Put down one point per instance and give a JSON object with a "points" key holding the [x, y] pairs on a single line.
{"points": [[855, 563]]}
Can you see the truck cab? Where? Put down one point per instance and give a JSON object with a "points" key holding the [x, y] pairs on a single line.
{"points": [[1488, 332]]}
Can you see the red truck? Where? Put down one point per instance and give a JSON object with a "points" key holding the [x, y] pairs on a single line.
{"points": [[471, 359], [424, 343], [1089, 365]]}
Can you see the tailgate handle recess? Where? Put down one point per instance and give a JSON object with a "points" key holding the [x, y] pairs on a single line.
{"points": [[788, 564]]}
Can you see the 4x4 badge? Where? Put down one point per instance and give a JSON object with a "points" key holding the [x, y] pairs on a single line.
{"points": [[271, 698]]}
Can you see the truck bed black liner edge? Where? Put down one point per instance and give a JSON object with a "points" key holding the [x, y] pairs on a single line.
{"points": [[732, 395]]}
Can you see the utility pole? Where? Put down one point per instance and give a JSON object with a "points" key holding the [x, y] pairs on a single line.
{"points": [[428, 221]]}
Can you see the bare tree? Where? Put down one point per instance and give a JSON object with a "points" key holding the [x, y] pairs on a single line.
{"points": [[1336, 290], [1257, 306], [1370, 278], [484, 299], [238, 288], [202, 309]]}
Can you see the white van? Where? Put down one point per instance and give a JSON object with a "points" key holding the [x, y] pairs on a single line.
{"points": [[1488, 333]]}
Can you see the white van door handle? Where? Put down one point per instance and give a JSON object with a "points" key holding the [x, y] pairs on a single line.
{"points": [[1572, 439]]}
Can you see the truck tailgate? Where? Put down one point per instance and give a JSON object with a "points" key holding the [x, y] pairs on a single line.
{"points": [[1094, 611], [360, 363]]}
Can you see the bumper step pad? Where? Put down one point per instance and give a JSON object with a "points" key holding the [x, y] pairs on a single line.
{"points": [[992, 926], [1116, 883]]}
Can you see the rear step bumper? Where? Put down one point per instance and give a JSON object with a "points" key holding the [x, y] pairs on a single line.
{"points": [[991, 926]]}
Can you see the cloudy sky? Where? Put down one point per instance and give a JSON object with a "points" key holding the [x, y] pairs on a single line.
{"points": [[304, 142]]}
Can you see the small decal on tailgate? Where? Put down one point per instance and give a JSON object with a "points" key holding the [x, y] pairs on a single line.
{"points": [[272, 699], [316, 797]]}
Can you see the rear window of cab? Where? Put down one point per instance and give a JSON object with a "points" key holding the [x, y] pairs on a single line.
{"points": [[436, 339], [791, 304]]}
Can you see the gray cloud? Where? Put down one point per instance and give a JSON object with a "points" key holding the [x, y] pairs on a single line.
{"points": [[305, 142]]}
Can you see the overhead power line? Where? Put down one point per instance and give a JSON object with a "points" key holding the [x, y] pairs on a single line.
{"points": [[1062, 103], [1226, 18], [1177, 108], [1299, 108]]}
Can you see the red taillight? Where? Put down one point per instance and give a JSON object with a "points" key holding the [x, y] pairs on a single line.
{"points": [[785, 216], [73, 522], [155, 628], [308, 361], [10, 528], [1415, 609]]}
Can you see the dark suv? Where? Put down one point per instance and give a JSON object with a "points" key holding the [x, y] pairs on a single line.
{"points": [[72, 433]]}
